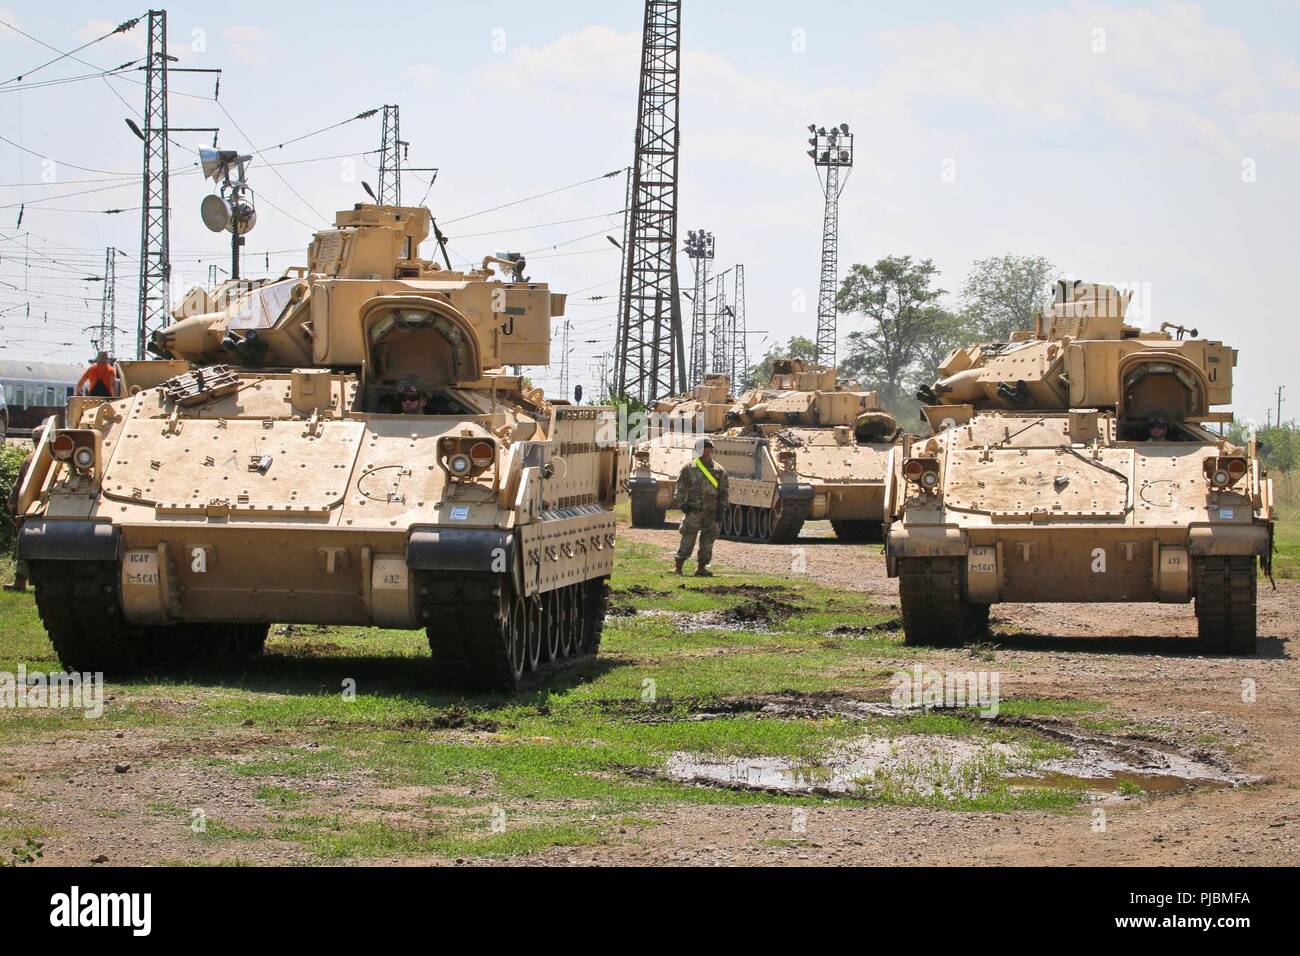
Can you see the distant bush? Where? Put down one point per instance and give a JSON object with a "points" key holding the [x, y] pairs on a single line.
{"points": [[11, 460]]}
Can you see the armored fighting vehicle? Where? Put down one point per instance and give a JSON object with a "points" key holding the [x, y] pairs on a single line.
{"points": [[262, 472], [1074, 464], [803, 447]]}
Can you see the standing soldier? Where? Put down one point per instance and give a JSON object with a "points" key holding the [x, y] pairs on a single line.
{"points": [[701, 494]]}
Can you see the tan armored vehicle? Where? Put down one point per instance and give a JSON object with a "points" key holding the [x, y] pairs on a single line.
{"points": [[264, 472], [803, 447], [1073, 464]]}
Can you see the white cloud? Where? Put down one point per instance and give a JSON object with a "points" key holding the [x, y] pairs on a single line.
{"points": [[595, 59], [423, 75], [247, 43]]}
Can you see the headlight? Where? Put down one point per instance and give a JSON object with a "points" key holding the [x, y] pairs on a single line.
{"points": [[77, 446], [466, 457], [922, 471], [459, 465], [62, 445]]}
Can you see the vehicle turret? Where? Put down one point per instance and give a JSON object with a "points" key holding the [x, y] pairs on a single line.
{"points": [[1083, 355]]}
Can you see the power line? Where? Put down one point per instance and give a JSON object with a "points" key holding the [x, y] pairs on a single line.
{"points": [[120, 28], [550, 192], [221, 106]]}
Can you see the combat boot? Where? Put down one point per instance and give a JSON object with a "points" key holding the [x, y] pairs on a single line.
{"points": [[677, 569], [702, 571]]}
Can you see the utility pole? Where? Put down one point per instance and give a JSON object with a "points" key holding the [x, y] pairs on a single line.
{"points": [[652, 352], [564, 360], [107, 338], [831, 151], [621, 325], [699, 249], [154, 301], [1279, 405]]}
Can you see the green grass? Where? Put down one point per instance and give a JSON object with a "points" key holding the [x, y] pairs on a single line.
{"points": [[1286, 533], [569, 763]]}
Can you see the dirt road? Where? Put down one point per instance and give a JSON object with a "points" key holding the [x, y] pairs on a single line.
{"points": [[1136, 658]]}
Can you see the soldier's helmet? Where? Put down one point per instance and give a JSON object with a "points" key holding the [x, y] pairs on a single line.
{"points": [[702, 444], [411, 387], [1158, 418]]}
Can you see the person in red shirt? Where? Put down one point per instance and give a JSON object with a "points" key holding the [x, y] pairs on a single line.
{"points": [[98, 380]]}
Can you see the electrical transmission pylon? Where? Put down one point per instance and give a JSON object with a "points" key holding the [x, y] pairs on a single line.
{"points": [[739, 350], [390, 160], [831, 152], [393, 153], [699, 248], [155, 242], [154, 300], [106, 340], [652, 353], [721, 326]]}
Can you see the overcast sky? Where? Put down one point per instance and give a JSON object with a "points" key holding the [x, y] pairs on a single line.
{"points": [[1156, 145]]}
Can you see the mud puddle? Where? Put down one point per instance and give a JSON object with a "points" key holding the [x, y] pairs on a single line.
{"points": [[922, 765], [947, 766]]}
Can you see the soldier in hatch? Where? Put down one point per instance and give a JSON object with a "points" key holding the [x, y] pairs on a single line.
{"points": [[411, 397], [701, 494], [1157, 427]]}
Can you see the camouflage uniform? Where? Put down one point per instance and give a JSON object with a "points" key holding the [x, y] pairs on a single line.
{"points": [[701, 506]]}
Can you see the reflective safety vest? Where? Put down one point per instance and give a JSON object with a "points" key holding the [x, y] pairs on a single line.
{"points": [[707, 474]]}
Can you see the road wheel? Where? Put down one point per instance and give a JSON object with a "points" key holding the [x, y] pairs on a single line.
{"points": [[534, 631], [552, 625], [935, 610], [569, 621], [1225, 605]]}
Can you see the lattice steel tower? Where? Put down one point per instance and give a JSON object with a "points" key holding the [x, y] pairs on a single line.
{"points": [[390, 160], [739, 350], [831, 151], [699, 247], [721, 326], [652, 354], [107, 338], [155, 242], [153, 303]]}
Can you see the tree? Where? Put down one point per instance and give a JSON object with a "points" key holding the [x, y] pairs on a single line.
{"points": [[760, 374], [1003, 293], [948, 331], [903, 321]]}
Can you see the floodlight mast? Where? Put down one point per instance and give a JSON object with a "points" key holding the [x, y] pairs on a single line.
{"points": [[236, 193], [831, 151], [699, 248]]}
